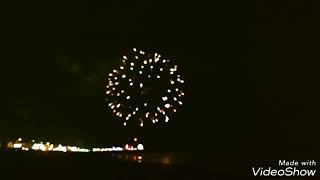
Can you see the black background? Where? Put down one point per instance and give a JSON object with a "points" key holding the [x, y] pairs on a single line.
{"points": [[250, 69]]}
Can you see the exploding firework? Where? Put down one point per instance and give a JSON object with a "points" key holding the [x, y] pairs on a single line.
{"points": [[144, 88]]}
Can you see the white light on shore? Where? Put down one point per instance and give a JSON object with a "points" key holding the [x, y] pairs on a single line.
{"points": [[140, 147]]}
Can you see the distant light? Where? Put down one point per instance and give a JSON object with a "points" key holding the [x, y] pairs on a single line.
{"points": [[161, 69], [20, 139], [116, 149], [96, 150], [60, 148], [50, 147], [167, 106], [38, 147], [145, 62], [140, 147], [72, 149], [128, 97], [135, 49], [135, 139], [17, 146], [132, 64], [84, 150], [124, 76]]}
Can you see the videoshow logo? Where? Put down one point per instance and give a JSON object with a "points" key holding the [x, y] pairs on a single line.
{"points": [[288, 169]]}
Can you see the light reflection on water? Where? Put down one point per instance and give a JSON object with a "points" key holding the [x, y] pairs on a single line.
{"points": [[155, 158]]}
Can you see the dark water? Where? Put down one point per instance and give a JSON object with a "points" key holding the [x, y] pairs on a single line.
{"points": [[39, 165], [153, 166]]}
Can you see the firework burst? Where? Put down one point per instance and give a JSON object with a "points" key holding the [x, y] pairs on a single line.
{"points": [[145, 88]]}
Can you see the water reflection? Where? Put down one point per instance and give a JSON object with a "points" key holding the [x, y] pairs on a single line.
{"points": [[128, 157], [166, 160], [154, 158]]}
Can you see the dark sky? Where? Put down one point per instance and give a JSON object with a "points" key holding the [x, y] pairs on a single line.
{"points": [[251, 83]]}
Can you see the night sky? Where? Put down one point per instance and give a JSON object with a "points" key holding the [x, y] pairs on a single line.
{"points": [[251, 83]]}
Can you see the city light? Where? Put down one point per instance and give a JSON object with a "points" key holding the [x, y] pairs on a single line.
{"points": [[36, 146], [49, 147], [24, 149], [140, 147], [113, 149], [17, 146]]}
